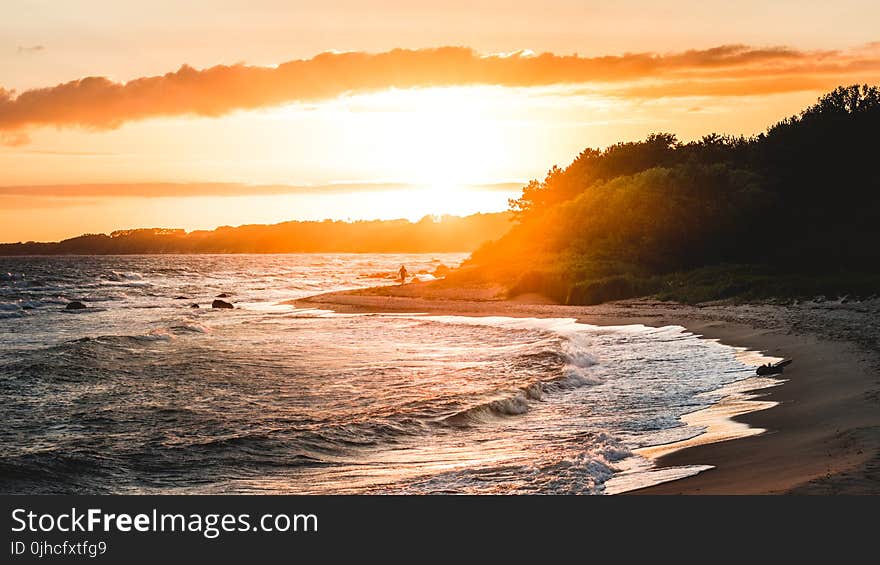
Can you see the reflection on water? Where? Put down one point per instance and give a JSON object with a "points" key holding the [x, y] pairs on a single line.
{"points": [[142, 393]]}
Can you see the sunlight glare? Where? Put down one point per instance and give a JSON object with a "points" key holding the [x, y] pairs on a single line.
{"points": [[435, 136]]}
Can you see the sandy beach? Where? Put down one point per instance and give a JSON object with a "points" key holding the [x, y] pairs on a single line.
{"points": [[821, 431]]}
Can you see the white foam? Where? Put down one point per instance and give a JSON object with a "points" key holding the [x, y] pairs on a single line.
{"points": [[577, 338], [195, 327], [163, 334]]}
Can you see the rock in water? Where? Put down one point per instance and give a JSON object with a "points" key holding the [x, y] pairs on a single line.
{"points": [[75, 305], [221, 304]]}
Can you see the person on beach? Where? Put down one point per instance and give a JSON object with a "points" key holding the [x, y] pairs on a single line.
{"points": [[402, 274]]}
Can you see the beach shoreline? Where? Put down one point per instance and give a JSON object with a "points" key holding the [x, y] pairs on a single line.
{"points": [[821, 427]]}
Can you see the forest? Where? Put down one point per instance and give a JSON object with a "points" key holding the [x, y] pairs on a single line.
{"points": [[791, 212], [429, 235]]}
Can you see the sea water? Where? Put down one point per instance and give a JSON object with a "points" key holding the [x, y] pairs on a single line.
{"points": [[141, 393]]}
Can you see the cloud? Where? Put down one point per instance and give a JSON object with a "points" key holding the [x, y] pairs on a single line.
{"points": [[30, 50], [725, 88], [100, 103]]}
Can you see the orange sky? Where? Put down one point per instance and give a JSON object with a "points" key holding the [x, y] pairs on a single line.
{"points": [[323, 94]]}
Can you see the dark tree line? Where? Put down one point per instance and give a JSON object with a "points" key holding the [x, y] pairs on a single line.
{"points": [[430, 235], [803, 197]]}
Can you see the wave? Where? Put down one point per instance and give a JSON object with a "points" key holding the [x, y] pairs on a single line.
{"points": [[119, 276], [570, 359], [163, 334], [55, 472], [18, 308], [20, 304], [583, 470], [191, 327], [155, 334], [513, 405], [519, 401]]}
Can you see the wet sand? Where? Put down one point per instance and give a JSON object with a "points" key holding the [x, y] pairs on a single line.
{"points": [[821, 426]]}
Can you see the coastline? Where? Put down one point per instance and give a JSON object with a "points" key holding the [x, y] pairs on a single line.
{"points": [[821, 427]]}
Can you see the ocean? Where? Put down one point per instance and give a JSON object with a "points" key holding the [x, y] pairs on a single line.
{"points": [[141, 393]]}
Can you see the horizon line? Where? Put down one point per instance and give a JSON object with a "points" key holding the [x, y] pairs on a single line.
{"points": [[197, 189], [125, 231]]}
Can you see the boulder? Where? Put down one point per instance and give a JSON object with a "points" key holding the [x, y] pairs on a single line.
{"points": [[223, 295], [193, 305], [75, 305], [221, 304]]}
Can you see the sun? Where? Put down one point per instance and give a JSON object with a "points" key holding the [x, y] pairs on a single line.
{"points": [[436, 137]]}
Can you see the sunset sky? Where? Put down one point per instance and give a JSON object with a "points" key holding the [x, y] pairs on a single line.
{"points": [[197, 114]]}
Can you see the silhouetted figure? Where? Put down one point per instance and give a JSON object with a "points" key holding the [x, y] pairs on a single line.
{"points": [[402, 274]]}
